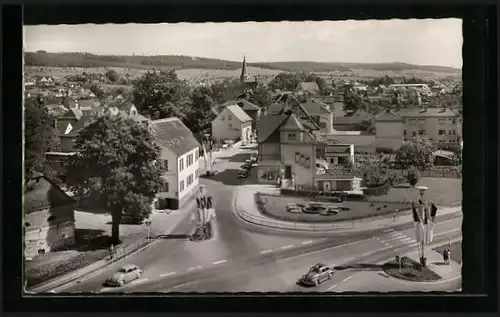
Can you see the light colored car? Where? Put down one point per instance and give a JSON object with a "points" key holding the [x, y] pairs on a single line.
{"points": [[317, 274], [126, 274]]}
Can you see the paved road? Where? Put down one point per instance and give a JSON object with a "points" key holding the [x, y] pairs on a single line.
{"points": [[278, 269], [255, 252], [232, 237]]}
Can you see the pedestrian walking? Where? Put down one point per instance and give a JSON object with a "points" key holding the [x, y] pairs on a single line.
{"points": [[111, 252], [446, 256]]}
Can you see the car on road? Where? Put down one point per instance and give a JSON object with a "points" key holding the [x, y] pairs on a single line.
{"points": [[125, 274], [243, 174], [317, 274]]}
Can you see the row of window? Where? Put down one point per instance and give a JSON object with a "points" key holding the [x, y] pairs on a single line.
{"points": [[440, 132], [440, 121], [190, 159], [189, 181], [229, 117]]}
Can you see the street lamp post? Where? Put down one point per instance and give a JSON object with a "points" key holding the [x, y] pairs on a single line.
{"points": [[148, 225]]}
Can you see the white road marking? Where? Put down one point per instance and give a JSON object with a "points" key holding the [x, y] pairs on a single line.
{"points": [[406, 239], [199, 267], [332, 287], [335, 285], [142, 280], [388, 230], [307, 242], [219, 262], [266, 251], [349, 259], [395, 234], [167, 274], [287, 246]]}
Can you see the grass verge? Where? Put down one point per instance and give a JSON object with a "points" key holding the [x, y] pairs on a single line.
{"points": [[410, 271]]}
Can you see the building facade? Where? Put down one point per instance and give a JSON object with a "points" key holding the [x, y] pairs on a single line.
{"points": [[49, 218], [232, 123], [180, 160], [441, 126], [389, 131]]}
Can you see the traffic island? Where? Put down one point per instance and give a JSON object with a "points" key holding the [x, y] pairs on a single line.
{"points": [[304, 210], [410, 270]]}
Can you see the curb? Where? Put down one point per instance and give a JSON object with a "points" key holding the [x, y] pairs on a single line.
{"points": [[340, 229], [45, 287]]}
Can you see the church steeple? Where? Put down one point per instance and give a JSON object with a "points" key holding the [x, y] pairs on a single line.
{"points": [[244, 74]]}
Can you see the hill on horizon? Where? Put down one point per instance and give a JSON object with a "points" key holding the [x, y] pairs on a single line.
{"points": [[87, 60]]}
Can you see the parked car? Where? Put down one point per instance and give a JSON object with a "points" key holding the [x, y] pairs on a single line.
{"points": [[317, 274], [243, 174], [126, 274]]}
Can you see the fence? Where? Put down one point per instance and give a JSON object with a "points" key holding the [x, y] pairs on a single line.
{"points": [[121, 252]]}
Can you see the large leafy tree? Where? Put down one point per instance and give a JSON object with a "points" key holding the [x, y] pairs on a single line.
{"points": [[226, 90], [112, 76], [39, 136], [200, 114], [116, 162], [417, 153], [161, 94], [260, 96]]}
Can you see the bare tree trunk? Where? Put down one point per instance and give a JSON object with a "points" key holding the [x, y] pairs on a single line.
{"points": [[116, 218]]}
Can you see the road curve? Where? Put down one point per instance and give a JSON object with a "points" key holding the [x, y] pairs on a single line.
{"points": [[231, 238]]}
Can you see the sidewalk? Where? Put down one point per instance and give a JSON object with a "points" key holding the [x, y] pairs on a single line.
{"points": [[162, 223], [247, 210]]}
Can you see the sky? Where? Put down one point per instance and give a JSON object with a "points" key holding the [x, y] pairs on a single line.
{"points": [[420, 42]]}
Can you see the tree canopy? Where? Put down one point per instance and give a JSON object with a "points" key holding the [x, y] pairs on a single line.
{"points": [[39, 136], [290, 81], [161, 94], [417, 153], [200, 114], [112, 76], [116, 163]]}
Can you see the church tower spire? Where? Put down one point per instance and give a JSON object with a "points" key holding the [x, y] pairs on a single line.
{"points": [[244, 74]]}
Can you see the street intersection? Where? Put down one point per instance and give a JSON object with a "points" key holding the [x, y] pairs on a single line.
{"points": [[243, 258]]}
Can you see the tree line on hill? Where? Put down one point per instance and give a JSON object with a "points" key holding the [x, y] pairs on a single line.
{"points": [[87, 60]]}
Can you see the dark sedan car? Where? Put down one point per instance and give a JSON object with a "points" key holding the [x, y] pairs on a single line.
{"points": [[243, 174], [317, 274]]}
